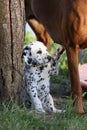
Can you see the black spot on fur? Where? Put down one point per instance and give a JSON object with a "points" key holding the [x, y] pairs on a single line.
{"points": [[46, 66], [30, 54], [42, 87], [41, 68], [54, 63], [31, 73], [49, 72], [38, 73], [44, 100], [34, 95], [51, 108], [34, 63], [40, 79], [49, 58]]}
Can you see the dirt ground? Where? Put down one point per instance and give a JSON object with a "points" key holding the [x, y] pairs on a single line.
{"points": [[60, 90], [61, 93]]}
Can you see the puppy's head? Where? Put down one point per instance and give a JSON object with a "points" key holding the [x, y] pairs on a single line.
{"points": [[36, 53]]}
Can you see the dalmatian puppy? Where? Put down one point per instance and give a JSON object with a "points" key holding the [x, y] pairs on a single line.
{"points": [[39, 66]]}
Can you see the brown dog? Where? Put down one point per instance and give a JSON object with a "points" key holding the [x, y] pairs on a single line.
{"points": [[41, 33], [66, 22]]}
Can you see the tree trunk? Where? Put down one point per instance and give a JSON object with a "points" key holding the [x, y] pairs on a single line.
{"points": [[11, 43]]}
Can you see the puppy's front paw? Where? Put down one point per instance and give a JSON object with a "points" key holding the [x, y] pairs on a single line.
{"points": [[39, 110], [60, 111]]}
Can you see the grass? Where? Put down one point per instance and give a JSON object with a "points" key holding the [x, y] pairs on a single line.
{"points": [[16, 118]]}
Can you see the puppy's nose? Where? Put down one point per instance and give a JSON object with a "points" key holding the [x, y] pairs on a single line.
{"points": [[49, 58], [29, 61]]}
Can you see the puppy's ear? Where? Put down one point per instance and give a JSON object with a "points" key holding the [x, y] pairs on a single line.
{"points": [[26, 47]]}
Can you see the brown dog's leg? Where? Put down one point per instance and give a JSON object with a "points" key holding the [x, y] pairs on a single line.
{"points": [[40, 32], [72, 55]]}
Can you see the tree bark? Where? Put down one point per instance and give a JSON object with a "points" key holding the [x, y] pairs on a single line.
{"points": [[11, 43]]}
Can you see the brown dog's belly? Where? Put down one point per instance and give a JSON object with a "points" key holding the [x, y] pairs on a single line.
{"points": [[66, 21]]}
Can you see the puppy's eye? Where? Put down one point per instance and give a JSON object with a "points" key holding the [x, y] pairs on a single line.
{"points": [[39, 52]]}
